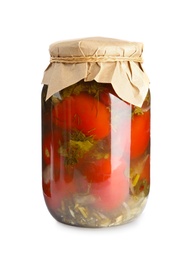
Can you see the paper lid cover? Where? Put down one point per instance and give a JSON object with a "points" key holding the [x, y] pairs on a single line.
{"points": [[104, 60]]}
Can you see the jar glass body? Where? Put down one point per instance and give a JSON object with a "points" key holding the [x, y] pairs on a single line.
{"points": [[95, 155]]}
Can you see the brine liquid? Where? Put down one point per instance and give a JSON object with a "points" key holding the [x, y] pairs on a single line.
{"points": [[95, 155]]}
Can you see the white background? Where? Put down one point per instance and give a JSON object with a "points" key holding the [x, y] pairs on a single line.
{"points": [[27, 28]]}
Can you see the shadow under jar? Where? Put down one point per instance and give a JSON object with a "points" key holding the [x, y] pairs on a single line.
{"points": [[95, 155]]}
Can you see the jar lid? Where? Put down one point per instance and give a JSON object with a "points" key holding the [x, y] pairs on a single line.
{"points": [[104, 60]]}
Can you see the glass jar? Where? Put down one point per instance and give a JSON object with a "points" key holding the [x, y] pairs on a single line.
{"points": [[95, 155]]}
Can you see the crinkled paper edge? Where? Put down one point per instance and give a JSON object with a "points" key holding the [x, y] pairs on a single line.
{"points": [[128, 78]]}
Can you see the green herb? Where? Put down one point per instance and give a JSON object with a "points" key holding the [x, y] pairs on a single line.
{"points": [[140, 110], [83, 214], [142, 185], [78, 145], [92, 87], [77, 135], [137, 111]]}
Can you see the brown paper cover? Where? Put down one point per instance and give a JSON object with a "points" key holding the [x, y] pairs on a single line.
{"points": [[104, 60]]}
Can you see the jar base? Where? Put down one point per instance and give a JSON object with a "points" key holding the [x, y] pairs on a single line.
{"points": [[84, 217]]}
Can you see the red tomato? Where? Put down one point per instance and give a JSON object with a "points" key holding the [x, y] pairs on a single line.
{"points": [[111, 193], [104, 97], [140, 134], [97, 170], [85, 113], [140, 173], [50, 147], [106, 94], [61, 189]]}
